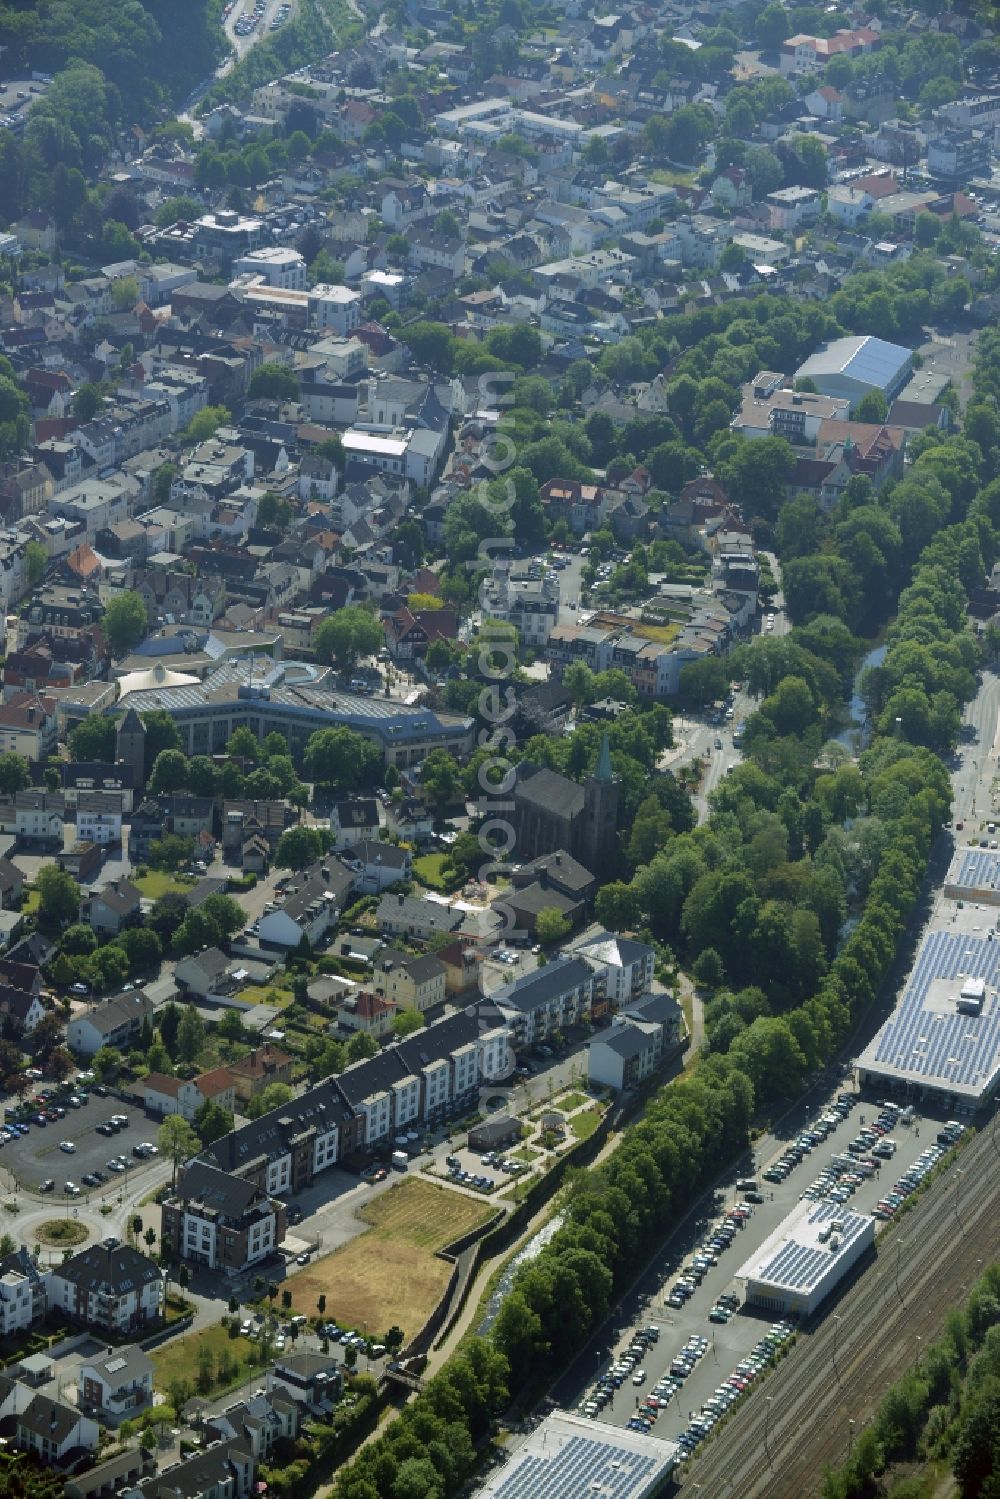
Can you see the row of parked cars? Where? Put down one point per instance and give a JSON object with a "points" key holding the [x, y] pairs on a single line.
{"points": [[735, 1387], [707, 1254], [925, 1162], [810, 1138], [626, 1366]]}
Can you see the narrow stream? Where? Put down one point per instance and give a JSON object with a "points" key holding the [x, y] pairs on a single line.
{"points": [[524, 1256], [858, 732]]}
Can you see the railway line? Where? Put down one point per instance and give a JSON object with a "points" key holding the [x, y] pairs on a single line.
{"points": [[806, 1414]]}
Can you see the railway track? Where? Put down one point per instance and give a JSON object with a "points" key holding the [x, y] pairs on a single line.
{"points": [[805, 1415]]}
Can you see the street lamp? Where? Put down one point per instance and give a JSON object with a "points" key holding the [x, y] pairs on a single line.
{"points": [[958, 1185], [850, 1435]]}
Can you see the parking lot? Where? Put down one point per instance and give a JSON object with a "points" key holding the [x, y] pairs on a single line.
{"points": [[728, 1344], [36, 1157]]}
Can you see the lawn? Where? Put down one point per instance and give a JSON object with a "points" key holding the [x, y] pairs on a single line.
{"points": [[255, 995], [583, 1125], [32, 901], [389, 1275], [156, 884], [177, 1357], [524, 1153], [428, 871], [574, 1099]]}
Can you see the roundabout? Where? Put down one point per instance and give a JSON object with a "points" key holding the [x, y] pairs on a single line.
{"points": [[62, 1233]]}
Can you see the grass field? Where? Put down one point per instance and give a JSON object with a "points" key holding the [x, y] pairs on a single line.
{"points": [[389, 1275], [177, 1358], [572, 1100], [428, 871], [156, 884], [584, 1124], [255, 995]]}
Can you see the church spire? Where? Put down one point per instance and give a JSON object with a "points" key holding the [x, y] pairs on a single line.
{"points": [[603, 771]]}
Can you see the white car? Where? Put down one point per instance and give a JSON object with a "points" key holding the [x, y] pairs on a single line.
{"points": [[67, 1146]]}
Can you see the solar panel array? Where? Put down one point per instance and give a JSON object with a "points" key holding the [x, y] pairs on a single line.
{"points": [[946, 1047], [979, 869], [581, 1464], [800, 1267]]}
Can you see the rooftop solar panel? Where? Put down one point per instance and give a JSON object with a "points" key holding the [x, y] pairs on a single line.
{"points": [[927, 1039]]}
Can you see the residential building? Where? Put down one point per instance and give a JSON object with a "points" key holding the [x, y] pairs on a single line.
{"points": [[354, 821], [222, 1221], [22, 1292], [165, 1095], [540, 1004], [412, 983], [115, 1385], [261, 1067], [412, 916], [367, 1012], [112, 909], [376, 865], [109, 1286], [623, 967], [99, 817], [309, 907], [53, 1430], [636, 1043], [117, 1022]]}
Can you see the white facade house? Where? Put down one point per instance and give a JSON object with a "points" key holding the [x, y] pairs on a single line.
{"points": [[623, 967], [109, 1285]]}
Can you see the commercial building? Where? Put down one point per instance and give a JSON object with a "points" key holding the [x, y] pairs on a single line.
{"points": [[942, 1041], [851, 367], [974, 875], [294, 700], [808, 1254], [567, 1457]]}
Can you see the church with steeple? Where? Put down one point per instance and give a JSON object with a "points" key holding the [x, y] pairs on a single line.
{"points": [[552, 812]]}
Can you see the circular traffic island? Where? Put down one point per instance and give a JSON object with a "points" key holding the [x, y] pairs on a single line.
{"points": [[61, 1233]]}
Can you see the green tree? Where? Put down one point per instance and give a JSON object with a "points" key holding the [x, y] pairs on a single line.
{"points": [[170, 772], [212, 1121], [360, 1047], [87, 401], [58, 897], [190, 1034], [206, 422], [301, 846], [406, 1023], [275, 382], [14, 773], [106, 1064], [347, 635], [177, 1141], [441, 780], [36, 560], [125, 622], [93, 739], [551, 925], [274, 1096], [343, 758], [872, 407]]}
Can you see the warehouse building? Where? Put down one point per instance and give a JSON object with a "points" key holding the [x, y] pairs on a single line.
{"points": [[942, 1041], [851, 367], [567, 1457], [809, 1253], [974, 875]]}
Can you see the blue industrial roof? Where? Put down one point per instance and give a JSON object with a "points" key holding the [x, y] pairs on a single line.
{"points": [[871, 361], [978, 869], [927, 1038]]}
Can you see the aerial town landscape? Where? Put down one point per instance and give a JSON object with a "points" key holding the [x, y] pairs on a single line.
{"points": [[499, 750]]}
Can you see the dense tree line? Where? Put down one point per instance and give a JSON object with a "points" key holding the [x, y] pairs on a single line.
{"points": [[946, 1407]]}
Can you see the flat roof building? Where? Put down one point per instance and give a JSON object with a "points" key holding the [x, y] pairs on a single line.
{"points": [[852, 367], [942, 1041], [974, 875], [567, 1457], [808, 1254]]}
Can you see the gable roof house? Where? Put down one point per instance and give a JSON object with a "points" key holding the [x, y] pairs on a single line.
{"points": [[117, 1022], [112, 909]]}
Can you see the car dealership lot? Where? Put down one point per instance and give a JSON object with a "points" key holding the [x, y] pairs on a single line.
{"points": [[36, 1157], [728, 1343]]}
